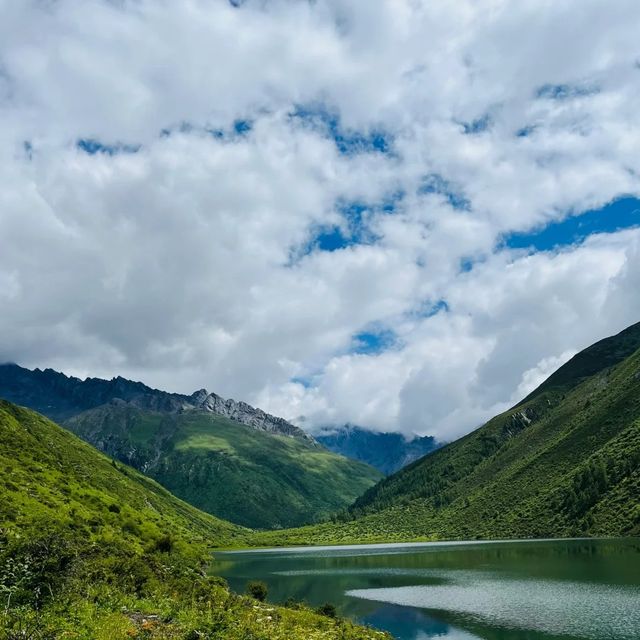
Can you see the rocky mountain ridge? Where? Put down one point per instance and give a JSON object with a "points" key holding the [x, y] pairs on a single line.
{"points": [[61, 397], [248, 415], [224, 457]]}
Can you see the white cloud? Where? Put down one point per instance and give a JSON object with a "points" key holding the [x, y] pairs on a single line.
{"points": [[186, 264]]}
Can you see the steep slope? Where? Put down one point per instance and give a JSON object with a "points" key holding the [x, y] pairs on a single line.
{"points": [[564, 462], [49, 474], [225, 457], [387, 452], [89, 549], [253, 478]]}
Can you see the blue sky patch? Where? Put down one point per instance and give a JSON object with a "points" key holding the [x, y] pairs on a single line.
{"points": [[353, 212], [335, 237], [93, 146], [373, 342], [622, 213], [305, 381], [440, 305], [242, 126], [466, 264], [526, 131], [391, 202], [347, 141], [435, 183], [356, 224], [429, 309], [239, 128], [565, 91], [331, 239], [476, 126]]}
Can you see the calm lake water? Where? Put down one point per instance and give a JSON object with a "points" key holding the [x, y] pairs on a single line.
{"points": [[526, 590]]}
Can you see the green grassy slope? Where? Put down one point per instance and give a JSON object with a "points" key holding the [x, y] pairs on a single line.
{"points": [[89, 549], [564, 462], [49, 474], [251, 477]]}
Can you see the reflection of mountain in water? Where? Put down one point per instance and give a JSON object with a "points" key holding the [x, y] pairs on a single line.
{"points": [[526, 590], [410, 624]]}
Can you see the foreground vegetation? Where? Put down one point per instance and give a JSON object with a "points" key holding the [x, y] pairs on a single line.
{"points": [[564, 462], [89, 548]]}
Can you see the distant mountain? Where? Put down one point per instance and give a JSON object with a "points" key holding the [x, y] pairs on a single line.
{"points": [[225, 457], [60, 397], [563, 462], [387, 452]]}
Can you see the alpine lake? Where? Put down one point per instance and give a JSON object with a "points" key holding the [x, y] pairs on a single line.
{"points": [[582, 589]]}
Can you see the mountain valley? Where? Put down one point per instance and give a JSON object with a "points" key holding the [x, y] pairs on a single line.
{"points": [[222, 456]]}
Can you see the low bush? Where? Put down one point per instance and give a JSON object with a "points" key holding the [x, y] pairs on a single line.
{"points": [[258, 590]]}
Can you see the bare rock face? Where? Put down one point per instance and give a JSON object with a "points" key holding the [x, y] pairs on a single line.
{"points": [[252, 417], [61, 398]]}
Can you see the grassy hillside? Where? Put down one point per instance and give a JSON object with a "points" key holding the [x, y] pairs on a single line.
{"points": [[93, 549], [564, 462], [254, 478]]}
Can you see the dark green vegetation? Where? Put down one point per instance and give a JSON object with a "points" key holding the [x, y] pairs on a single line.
{"points": [[563, 462], [90, 548], [254, 478], [256, 470], [258, 590], [387, 452]]}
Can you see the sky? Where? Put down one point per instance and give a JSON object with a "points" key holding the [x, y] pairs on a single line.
{"points": [[402, 214]]}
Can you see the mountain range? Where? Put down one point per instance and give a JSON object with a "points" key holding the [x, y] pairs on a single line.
{"points": [[387, 452], [565, 461], [224, 457], [91, 546], [60, 397]]}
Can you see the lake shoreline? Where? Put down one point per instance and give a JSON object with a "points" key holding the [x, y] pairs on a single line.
{"points": [[408, 543], [458, 589]]}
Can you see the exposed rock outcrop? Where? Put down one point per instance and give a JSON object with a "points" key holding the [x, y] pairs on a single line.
{"points": [[252, 417], [60, 397]]}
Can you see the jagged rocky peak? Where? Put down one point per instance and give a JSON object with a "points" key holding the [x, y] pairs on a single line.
{"points": [[198, 397], [61, 397], [251, 416]]}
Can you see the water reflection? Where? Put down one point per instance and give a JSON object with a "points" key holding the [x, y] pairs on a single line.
{"points": [[413, 624], [557, 608], [534, 590]]}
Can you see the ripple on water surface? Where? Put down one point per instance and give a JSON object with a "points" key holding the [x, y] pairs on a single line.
{"points": [[590, 611]]}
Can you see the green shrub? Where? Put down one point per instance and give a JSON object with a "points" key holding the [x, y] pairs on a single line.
{"points": [[258, 590], [327, 609], [292, 603], [164, 544]]}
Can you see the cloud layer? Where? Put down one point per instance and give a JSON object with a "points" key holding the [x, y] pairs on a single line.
{"points": [[304, 205]]}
